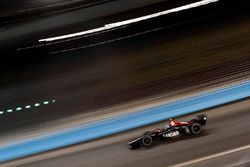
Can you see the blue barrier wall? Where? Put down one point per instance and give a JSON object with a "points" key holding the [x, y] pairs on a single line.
{"points": [[124, 122]]}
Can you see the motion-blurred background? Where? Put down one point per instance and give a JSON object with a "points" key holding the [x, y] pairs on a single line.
{"points": [[49, 86]]}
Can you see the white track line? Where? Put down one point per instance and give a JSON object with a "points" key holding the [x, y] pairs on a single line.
{"points": [[211, 156], [130, 21], [29, 106]]}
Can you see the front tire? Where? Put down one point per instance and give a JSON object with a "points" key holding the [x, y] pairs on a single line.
{"points": [[195, 128], [147, 141]]}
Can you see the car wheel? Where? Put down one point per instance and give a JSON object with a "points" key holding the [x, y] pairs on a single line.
{"points": [[147, 140], [195, 128]]}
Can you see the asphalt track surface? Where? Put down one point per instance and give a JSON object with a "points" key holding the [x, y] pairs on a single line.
{"points": [[226, 129], [155, 63]]}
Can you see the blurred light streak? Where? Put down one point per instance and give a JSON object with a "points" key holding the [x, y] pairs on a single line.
{"points": [[18, 108], [29, 106], [9, 110], [46, 102], [37, 104], [130, 21]]}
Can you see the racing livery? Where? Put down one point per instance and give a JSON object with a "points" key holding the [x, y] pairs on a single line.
{"points": [[172, 130]]}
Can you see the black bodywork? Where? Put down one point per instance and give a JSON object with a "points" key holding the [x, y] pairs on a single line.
{"points": [[184, 128]]}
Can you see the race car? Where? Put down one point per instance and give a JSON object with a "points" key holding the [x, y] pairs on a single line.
{"points": [[172, 130]]}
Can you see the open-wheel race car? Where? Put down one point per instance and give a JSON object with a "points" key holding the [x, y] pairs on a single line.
{"points": [[172, 130]]}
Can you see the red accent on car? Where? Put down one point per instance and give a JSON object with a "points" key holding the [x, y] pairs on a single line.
{"points": [[177, 123]]}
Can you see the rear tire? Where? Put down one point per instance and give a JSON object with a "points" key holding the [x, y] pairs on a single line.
{"points": [[195, 128], [147, 141]]}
